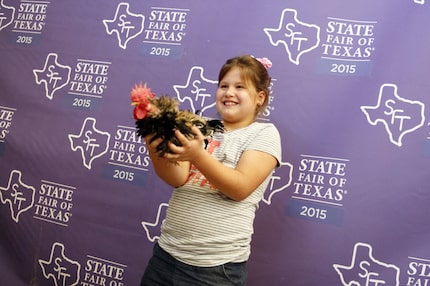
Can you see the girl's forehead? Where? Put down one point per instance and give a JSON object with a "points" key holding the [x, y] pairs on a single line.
{"points": [[234, 73]]}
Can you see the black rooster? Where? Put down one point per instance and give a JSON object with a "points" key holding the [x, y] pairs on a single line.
{"points": [[161, 116]]}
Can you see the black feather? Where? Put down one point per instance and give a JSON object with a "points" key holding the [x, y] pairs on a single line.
{"points": [[170, 118]]}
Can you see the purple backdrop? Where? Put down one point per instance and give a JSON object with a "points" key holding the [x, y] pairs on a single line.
{"points": [[80, 203]]}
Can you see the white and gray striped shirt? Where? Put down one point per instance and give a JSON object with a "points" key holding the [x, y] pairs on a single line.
{"points": [[205, 228]]}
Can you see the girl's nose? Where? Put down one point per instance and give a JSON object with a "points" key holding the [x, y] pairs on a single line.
{"points": [[230, 91]]}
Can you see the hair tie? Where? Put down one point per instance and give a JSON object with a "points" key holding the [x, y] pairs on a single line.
{"points": [[265, 62]]}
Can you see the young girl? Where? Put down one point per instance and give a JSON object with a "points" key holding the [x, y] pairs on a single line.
{"points": [[205, 238]]}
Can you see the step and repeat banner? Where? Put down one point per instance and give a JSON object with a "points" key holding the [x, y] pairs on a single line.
{"points": [[80, 203]]}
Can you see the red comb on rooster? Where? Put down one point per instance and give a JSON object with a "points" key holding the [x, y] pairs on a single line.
{"points": [[161, 116], [141, 97]]}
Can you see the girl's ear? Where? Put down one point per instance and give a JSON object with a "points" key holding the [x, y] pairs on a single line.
{"points": [[261, 96]]}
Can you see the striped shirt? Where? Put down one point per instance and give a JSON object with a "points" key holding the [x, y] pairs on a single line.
{"points": [[205, 228]]}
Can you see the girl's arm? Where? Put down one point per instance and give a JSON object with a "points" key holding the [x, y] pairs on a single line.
{"points": [[174, 173], [236, 183]]}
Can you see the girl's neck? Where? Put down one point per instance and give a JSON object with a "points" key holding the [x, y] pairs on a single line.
{"points": [[235, 126]]}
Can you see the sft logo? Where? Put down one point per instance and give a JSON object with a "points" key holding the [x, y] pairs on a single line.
{"points": [[125, 25], [152, 229], [18, 195], [277, 182], [399, 116], [53, 76], [60, 268], [296, 36], [200, 88], [7, 15], [91, 142], [366, 270]]}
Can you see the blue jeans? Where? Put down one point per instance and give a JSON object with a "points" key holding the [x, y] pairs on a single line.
{"points": [[165, 270]]}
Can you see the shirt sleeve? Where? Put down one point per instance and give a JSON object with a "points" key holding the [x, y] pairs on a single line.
{"points": [[267, 139]]}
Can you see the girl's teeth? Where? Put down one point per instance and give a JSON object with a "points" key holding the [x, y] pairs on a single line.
{"points": [[229, 103]]}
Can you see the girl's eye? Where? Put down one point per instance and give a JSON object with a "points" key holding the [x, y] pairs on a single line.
{"points": [[223, 86]]}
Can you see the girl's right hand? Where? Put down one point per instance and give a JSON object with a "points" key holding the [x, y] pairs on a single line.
{"points": [[173, 173]]}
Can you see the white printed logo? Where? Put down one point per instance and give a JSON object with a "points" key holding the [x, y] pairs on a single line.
{"points": [[418, 271], [366, 270], [125, 25], [276, 183], [7, 14], [399, 115], [54, 75], [6, 116], [91, 142], [152, 229], [197, 91], [17, 194], [296, 36], [61, 269]]}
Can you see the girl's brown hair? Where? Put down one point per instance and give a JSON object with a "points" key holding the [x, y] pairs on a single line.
{"points": [[253, 73]]}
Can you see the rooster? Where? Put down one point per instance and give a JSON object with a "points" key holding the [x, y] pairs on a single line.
{"points": [[161, 116]]}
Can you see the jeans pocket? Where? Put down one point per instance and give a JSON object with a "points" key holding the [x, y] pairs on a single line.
{"points": [[235, 272]]}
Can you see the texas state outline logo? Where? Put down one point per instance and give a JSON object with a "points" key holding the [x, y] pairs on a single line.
{"points": [[91, 142], [63, 270], [7, 15], [366, 270], [18, 195], [53, 76], [297, 37], [197, 93], [397, 114], [125, 25], [280, 180], [152, 228]]}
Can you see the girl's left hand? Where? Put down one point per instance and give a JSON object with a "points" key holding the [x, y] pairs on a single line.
{"points": [[190, 148]]}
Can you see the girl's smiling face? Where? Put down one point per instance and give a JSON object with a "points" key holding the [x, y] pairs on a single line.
{"points": [[237, 101]]}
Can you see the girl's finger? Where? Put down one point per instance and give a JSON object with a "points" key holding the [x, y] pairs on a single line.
{"points": [[175, 149], [171, 156], [196, 131], [181, 137]]}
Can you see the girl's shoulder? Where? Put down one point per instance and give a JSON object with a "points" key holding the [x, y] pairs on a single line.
{"points": [[258, 131], [259, 126], [254, 130]]}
